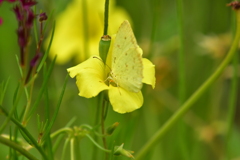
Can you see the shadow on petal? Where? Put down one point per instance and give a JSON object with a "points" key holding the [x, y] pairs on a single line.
{"points": [[124, 101], [148, 72]]}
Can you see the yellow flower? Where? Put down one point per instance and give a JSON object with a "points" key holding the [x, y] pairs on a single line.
{"points": [[76, 39], [93, 76]]}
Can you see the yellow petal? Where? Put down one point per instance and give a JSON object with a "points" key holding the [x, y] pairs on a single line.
{"points": [[124, 101], [148, 72], [90, 77]]}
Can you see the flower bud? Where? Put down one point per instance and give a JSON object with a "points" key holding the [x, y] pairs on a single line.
{"points": [[42, 17], [112, 128], [118, 150], [104, 46]]}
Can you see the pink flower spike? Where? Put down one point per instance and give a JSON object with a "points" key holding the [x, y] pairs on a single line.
{"points": [[17, 12]]}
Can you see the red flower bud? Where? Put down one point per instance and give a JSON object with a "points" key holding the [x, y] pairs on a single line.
{"points": [[42, 17]]}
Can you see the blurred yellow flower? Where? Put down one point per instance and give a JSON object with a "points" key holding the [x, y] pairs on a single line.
{"points": [[75, 39], [124, 85]]}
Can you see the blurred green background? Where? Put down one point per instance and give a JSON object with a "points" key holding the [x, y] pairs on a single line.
{"points": [[201, 133]]}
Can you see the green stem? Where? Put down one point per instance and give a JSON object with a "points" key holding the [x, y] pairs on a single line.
{"points": [[103, 126], [96, 144], [85, 30], [72, 149], [21, 127], [232, 104], [60, 131], [29, 100], [188, 104], [77, 148], [65, 148], [181, 67], [106, 17], [17, 147]]}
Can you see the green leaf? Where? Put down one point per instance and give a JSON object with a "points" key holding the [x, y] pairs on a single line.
{"points": [[3, 88], [15, 100], [56, 110], [40, 93], [47, 51]]}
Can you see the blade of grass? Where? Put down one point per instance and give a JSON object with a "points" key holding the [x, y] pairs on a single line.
{"points": [[47, 51], [44, 85], [48, 143], [3, 88], [48, 20], [19, 66], [13, 108], [47, 131]]}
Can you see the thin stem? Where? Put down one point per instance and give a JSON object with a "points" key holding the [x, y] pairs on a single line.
{"points": [[96, 122], [72, 151], [25, 131], [65, 148], [103, 127], [60, 131], [105, 30], [195, 96], [29, 100], [181, 67], [13, 109], [17, 147], [232, 104], [77, 148], [85, 30], [97, 145]]}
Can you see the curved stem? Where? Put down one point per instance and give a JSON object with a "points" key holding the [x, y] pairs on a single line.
{"points": [[97, 145], [60, 131], [195, 96], [17, 148]]}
